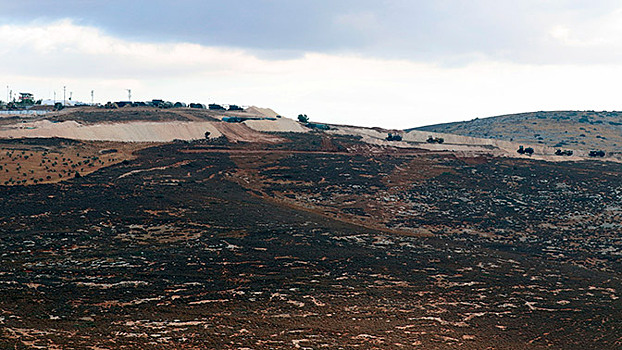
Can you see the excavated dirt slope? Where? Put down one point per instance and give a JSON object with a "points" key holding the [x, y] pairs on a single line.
{"points": [[153, 125], [151, 131], [129, 132]]}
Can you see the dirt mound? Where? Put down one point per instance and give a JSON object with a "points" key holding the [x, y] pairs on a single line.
{"points": [[124, 132], [264, 112], [235, 132], [279, 125]]}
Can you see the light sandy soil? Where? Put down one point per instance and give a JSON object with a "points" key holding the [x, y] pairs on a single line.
{"points": [[238, 132], [256, 131], [265, 112], [164, 131], [125, 132], [458, 143], [279, 125]]}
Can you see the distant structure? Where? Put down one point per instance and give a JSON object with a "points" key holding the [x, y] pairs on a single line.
{"points": [[216, 107], [232, 119], [317, 126], [236, 119], [198, 106], [26, 98]]}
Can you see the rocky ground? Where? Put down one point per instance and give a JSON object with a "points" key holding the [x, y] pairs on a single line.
{"points": [[577, 130], [315, 242]]}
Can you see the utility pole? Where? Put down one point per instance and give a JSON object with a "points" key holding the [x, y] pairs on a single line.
{"points": [[129, 95], [92, 97], [54, 97], [7, 94], [64, 95]]}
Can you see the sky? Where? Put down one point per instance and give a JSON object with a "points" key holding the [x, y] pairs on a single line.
{"points": [[388, 63]]}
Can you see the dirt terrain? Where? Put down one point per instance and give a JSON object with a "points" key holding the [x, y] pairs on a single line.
{"points": [[145, 124], [317, 241], [27, 161], [142, 124], [580, 130]]}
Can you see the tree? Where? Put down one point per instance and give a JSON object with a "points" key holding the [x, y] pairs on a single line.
{"points": [[303, 118]]}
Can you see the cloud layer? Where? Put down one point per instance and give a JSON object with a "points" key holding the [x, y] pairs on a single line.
{"points": [[442, 31]]}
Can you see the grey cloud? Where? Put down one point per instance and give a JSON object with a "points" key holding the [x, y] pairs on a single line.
{"points": [[441, 31]]}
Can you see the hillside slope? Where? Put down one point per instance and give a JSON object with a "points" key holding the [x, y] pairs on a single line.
{"points": [[579, 130], [320, 241]]}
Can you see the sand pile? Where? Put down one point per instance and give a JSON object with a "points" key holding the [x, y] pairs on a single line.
{"points": [[128, 132], [238, 132], [279, 125], [263, 112], [147, 131]]}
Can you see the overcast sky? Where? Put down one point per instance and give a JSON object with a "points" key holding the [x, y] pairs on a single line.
{"points": [[391, 63]]}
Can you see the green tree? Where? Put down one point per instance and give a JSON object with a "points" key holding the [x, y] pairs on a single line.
{"points": [[303, 118]]}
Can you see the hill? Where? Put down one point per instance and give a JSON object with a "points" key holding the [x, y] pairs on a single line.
{"points": [[579, 130], [148, 124], [276, 235]]}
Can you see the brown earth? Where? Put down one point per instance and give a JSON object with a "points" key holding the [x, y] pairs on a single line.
{"points": [[238, 132], [336, 240], [27, 163], [278, 246], [575, 130]]}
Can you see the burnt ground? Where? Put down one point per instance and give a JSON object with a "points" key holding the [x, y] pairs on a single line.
{"points": [[316, 243]]}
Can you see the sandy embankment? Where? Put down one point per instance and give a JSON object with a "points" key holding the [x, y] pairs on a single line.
{"points": [[463, 145], [452, 142], [248, 131], [279, 125], [124, 132], [256, 131]]}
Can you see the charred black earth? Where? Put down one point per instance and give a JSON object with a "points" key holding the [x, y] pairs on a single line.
{"points": [[318, 242]]}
